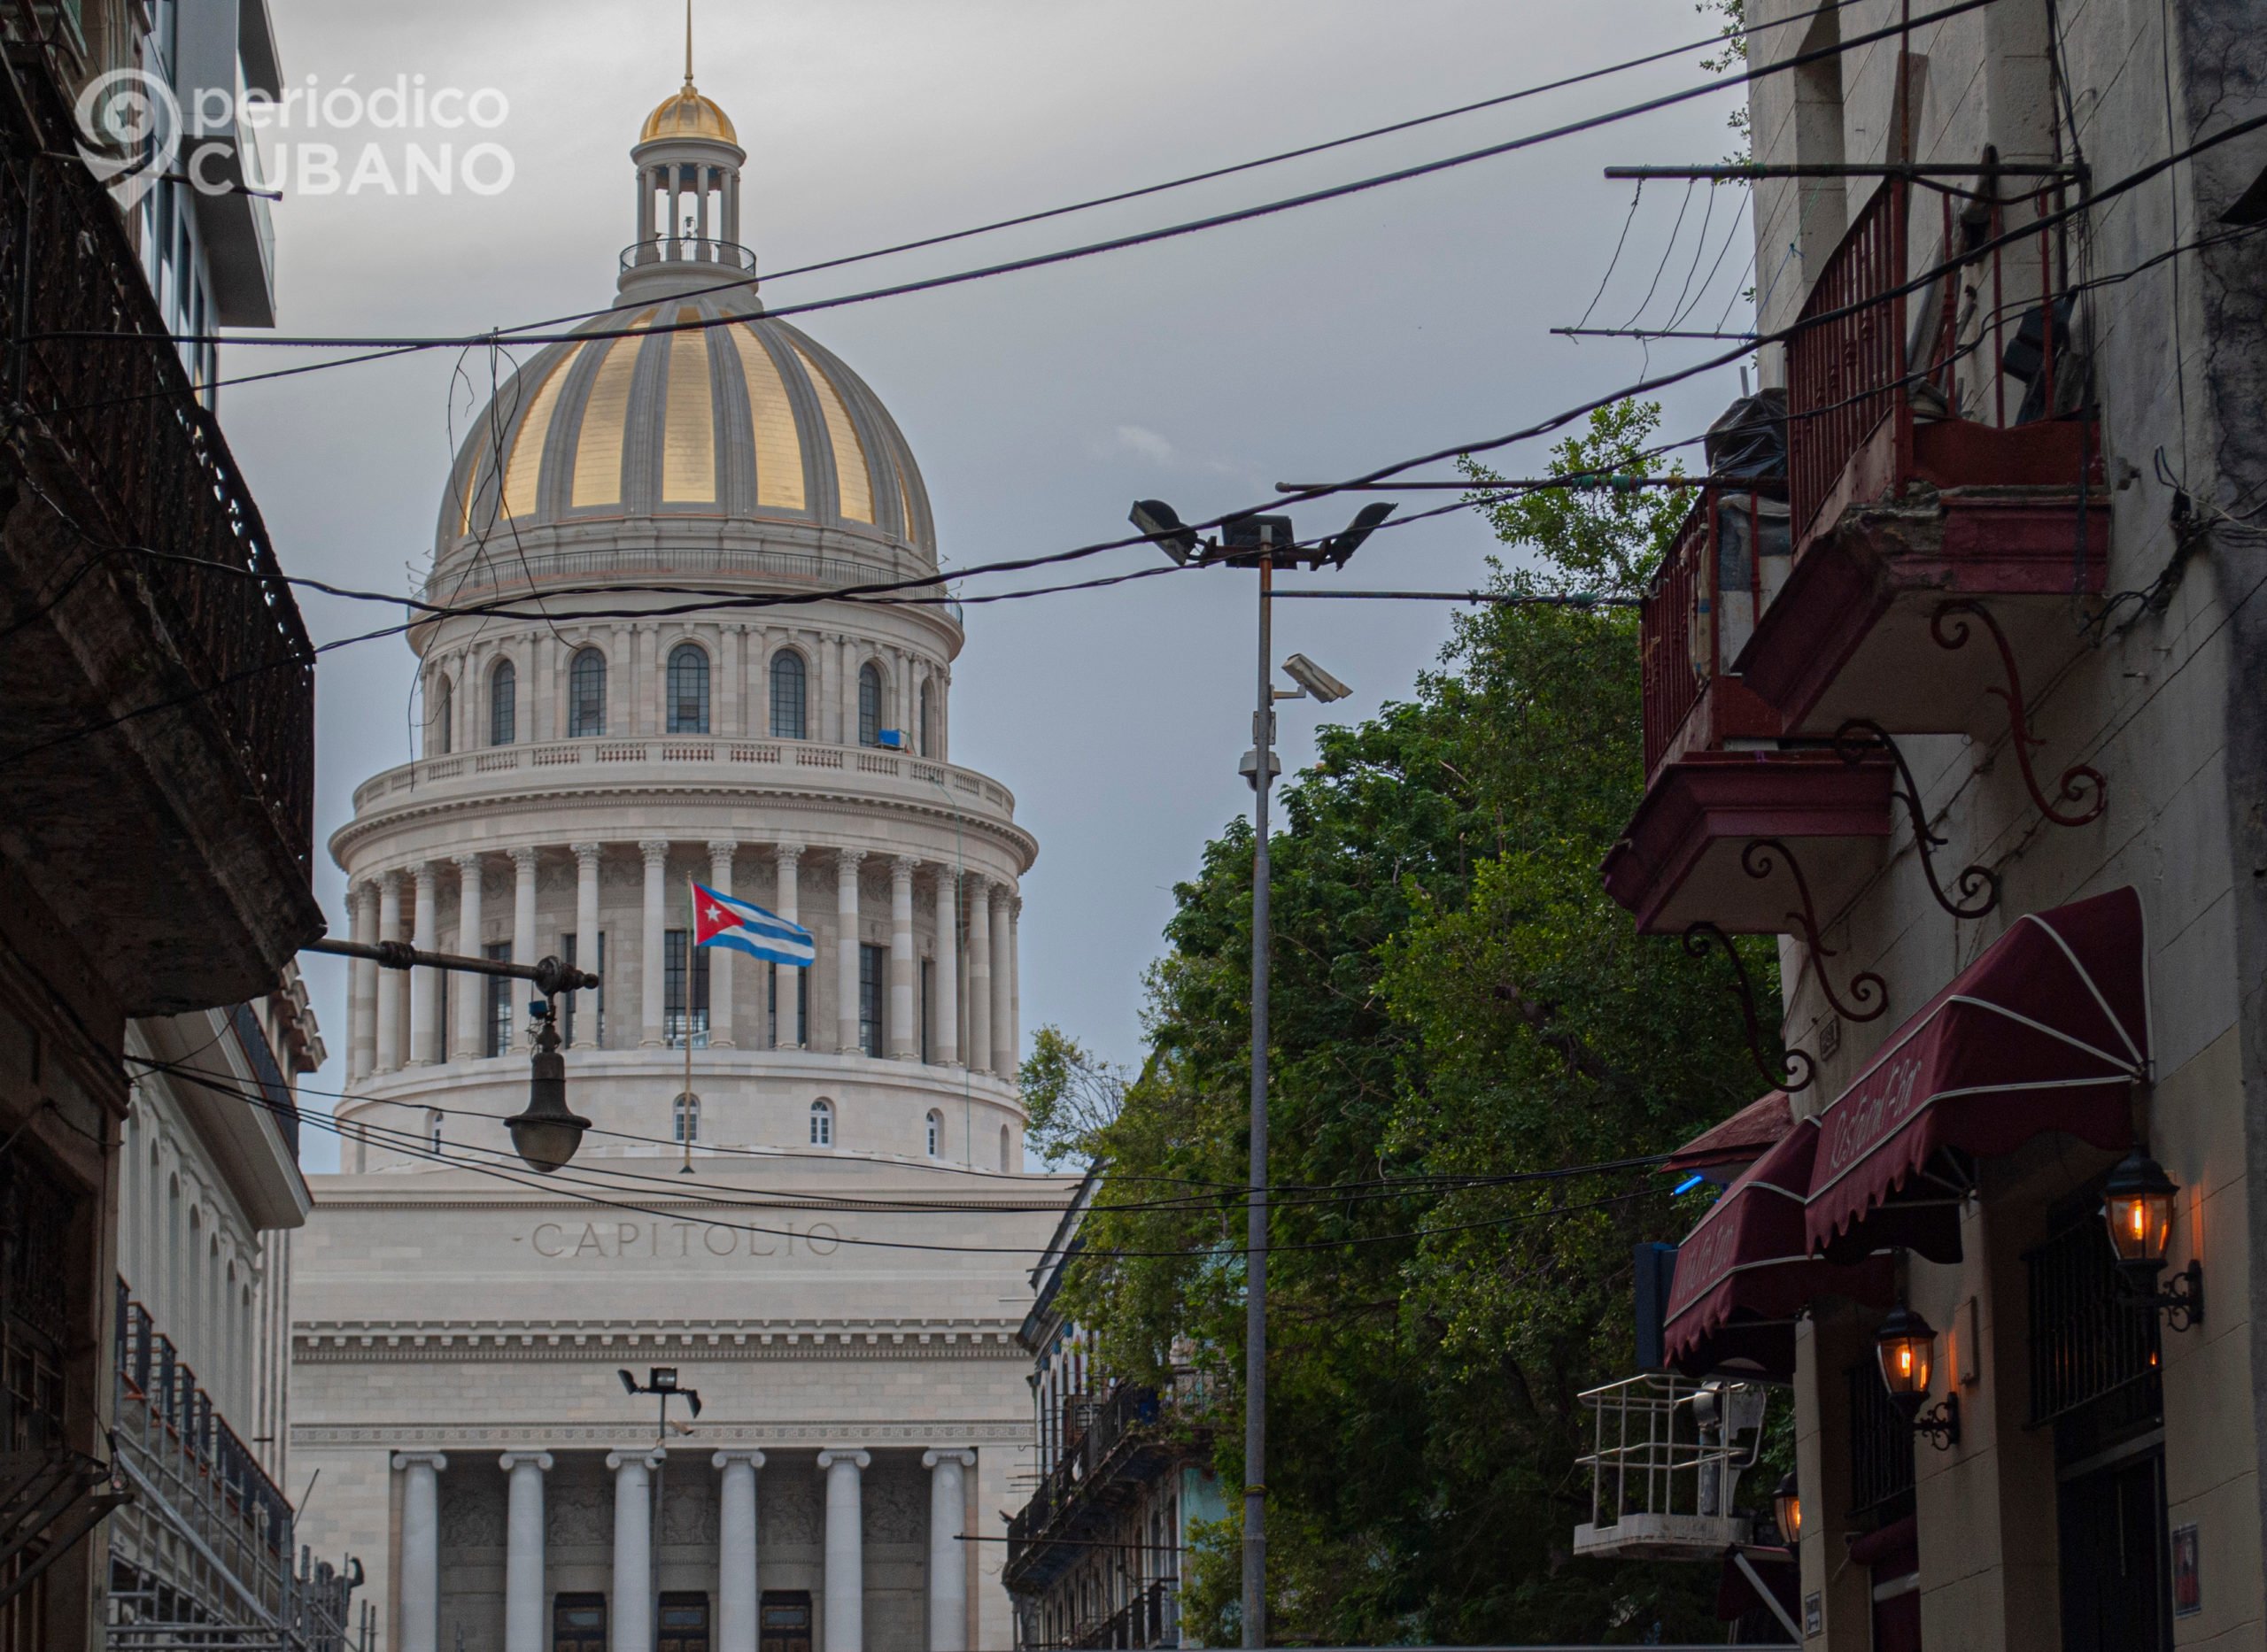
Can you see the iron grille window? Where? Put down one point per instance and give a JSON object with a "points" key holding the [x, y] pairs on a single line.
{"points": [[586, 694], [688, 690], [501, 988], [675, 1022], [504, 705], [787, 721], [870, 705], [873, 963], [1881, 1445], [2085, 1345], [36, 1218], [567, 1011]]}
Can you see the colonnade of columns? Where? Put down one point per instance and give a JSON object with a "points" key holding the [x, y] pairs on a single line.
{"points": [[394, 1016], [631, 1605], [678, 181]]}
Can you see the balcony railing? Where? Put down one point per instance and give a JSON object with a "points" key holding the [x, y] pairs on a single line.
{"points": [[1151, 1619], [120, 444], [1728, 560], [275, 1089], [1126, 1436], [1886, 386]]}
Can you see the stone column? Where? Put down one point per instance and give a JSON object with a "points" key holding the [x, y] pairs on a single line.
{"points": [[904, 1023], [630, 1610], [362, 985], [522, 942], [1003, 975], [944, 1027], [720, 958], [587, 942], [845, 964], [526, 1614], [424, 996], [471, 1033], [1015, 989], [948, 1564], [421, 1549], [388, 992], [979, 975], [731, 718], [649, 970], [845, 1627], [785, 900], [735, 1593]]}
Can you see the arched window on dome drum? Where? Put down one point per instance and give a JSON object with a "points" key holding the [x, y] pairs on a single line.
{"points": [[438, 744], [586, 694], [685, 1111], [869, 704], [503, 704], [688, 690], [822, 1124], [787, 696], [936, 1132], [928, 730]]}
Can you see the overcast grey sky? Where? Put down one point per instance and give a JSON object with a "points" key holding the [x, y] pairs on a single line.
{"points": [[1308, 344]]}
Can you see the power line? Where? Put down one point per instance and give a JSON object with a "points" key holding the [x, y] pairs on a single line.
{"points": [[559, 1181], [1115, 243]]}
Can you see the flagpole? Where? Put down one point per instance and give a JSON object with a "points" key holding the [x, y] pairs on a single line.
{"points": [[692, 952]]}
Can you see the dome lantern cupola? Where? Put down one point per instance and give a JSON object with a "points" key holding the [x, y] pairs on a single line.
{"points": [[688, 223]]}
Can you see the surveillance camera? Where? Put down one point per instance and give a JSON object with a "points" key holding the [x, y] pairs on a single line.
{"points": [[1314, 679]]}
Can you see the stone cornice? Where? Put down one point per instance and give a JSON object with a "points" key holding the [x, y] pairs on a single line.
{"points": [[332, 1342], [470, 1437], [550, 801]]}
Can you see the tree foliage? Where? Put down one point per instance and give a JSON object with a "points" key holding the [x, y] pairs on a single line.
{"points": [[1457, 1007]]}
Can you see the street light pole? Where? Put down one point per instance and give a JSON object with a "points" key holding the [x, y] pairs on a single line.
{"points": [[1255, 541], [1255, 1354]]}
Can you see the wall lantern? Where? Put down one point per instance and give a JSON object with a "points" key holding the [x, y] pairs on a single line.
{"points": [[1906, 1347], [546, 1135], [1787, 1508], [2137, 1205]]}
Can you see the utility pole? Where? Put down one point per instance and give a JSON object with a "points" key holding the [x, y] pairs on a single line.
{"points": [[1255, 1331]]}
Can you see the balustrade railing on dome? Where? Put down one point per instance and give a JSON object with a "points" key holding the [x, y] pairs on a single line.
{"points": [[687, 249], [495, 567], [751, 757], [1870, 360]]}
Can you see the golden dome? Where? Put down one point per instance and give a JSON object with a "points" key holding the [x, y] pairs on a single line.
{"points": [[693, 418], [686, 113]]}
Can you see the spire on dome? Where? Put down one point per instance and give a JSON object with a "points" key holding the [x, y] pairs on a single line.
{"points": [[688, 231], [688, 47]]}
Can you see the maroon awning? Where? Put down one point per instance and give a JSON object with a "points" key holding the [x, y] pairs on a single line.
{"points": [[2045, 1031], [1746, 1269]]}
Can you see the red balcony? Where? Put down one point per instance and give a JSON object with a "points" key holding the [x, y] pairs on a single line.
{"points": [[1943, 485], [1736, 830]]}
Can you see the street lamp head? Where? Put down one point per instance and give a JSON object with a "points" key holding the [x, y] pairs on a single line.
{"points": [[2137, 1203], [1787, 1509], [1242, 538], [1161, 522], [692, 1399], [1341, 546], [628, 1383], [1314, 679], [1907, 1346], [546, 1135], [661, 1380]]}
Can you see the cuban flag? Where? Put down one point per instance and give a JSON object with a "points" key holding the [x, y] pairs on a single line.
{"points": [[720, 921]]}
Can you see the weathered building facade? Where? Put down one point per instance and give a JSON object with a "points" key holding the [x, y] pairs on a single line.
{"points": [[1963, 702]]}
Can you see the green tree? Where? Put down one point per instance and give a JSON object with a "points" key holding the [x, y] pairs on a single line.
{"points": [[1457, 1007]]}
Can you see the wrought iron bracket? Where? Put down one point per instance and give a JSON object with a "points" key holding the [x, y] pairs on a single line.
{"points": [[1797, 1071], [2182, 1306], [1940, 1425], [1978, 886], [1866, 987], [2078, 783]]}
